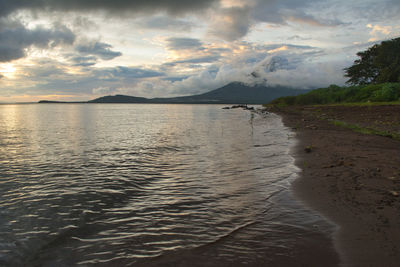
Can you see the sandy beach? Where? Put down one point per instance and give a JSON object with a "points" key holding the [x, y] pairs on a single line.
{"points": [[351, 178]]}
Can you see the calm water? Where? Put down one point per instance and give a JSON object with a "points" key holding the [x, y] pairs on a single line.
{"points": [[85, 184]]}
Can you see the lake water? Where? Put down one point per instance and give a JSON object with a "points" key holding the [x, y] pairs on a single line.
{"points": [[148, 185]]}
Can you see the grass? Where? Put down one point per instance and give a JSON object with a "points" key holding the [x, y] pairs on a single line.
{"points": [[354, 96], [362, 104], [363, 130], [350, 104]]}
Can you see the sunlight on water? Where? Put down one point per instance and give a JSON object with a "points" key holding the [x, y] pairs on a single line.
{"points": [[124, 184]]}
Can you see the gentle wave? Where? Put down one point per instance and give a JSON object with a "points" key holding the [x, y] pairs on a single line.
{"points": [[134, 184]]}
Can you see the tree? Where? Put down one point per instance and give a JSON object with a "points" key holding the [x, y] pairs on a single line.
{"points": [[378, 64]]}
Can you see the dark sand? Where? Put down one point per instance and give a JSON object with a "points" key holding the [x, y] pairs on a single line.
{"points": [[351, 178]]}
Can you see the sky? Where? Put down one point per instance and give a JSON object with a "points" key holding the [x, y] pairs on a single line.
{"points": [[81, 49]]}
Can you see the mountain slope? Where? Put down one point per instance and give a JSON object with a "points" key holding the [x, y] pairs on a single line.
{"points": [[241, 93], [119, 99], [233, 93]]}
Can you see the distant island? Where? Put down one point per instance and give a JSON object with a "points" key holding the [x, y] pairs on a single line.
{"points": [[233, 93]]}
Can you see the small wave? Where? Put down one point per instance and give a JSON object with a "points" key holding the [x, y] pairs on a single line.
{"points": [[128, 191]]}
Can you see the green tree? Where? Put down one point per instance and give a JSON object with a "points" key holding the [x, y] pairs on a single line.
{"points": [[378, 64]]}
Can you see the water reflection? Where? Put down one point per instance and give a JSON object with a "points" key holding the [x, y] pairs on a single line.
{"points": [[119, 184]]}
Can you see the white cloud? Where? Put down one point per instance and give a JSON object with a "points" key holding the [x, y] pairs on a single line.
{"points": [[309, 76], [177, 47], [379, 32]]}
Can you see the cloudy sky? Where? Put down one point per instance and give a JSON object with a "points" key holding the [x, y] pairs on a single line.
{"points": [[81, 49]]}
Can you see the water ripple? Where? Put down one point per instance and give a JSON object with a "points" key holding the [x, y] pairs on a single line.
{"points": [[125, 184]]}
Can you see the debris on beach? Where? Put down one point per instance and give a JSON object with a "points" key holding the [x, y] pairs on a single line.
{"points": [[308, 149], [245, 107]]}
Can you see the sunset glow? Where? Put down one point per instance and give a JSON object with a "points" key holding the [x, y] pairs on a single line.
{"points": [[7, 70], [168, 48]]}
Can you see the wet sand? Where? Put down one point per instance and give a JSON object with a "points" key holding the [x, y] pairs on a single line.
{"points": [[351, 178]]}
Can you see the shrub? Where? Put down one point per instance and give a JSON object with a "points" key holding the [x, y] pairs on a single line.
{"points": [[388, 92], [334, 94]]}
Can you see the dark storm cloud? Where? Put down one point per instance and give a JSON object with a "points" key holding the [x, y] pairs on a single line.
{"points": [[115, 6], [15, 39], [280, 12], [234, 23], [99, 49], [183, 43], [84, 61]]}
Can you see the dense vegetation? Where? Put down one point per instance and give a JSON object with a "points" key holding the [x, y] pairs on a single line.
{"points": [[375, 77], [385, 92], [378, 64]]}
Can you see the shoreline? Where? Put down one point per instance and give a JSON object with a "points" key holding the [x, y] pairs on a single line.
{"points": [[352, 179]]}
